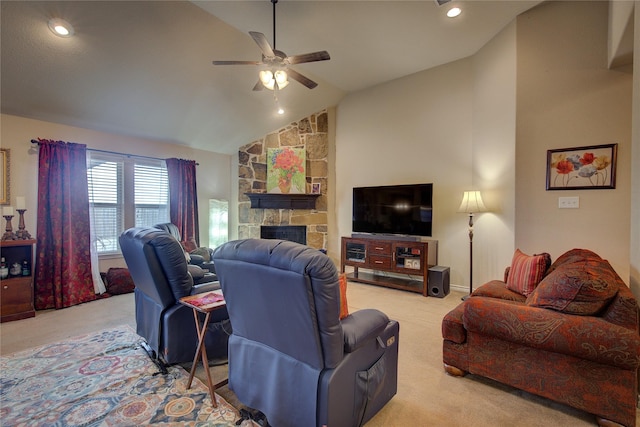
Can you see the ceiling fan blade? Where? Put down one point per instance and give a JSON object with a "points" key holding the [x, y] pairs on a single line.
{"points": [[237, 62], [309, 57], [302, 79], [259, 86], [263, 44]]}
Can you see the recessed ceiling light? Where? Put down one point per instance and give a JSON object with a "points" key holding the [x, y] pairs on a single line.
{"points": [[453, 12], [60, 27]]}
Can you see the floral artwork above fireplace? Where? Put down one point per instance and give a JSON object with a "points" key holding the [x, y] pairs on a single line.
{"points": [[286, 170]]}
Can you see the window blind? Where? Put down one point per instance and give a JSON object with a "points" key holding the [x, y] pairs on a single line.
{"points": [[125, 191]]}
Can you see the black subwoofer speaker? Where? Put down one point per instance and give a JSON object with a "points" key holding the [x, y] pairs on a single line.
{"points": [[438, 281]]}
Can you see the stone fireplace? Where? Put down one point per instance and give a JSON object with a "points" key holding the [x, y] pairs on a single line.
{"points": [[293, 233], [310, 133]]}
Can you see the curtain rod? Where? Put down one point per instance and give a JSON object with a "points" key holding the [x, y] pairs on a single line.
{"points": [[35, 141]]}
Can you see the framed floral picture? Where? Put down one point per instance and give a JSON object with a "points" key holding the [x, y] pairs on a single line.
{"points": [[286, 170], [582, 168]]}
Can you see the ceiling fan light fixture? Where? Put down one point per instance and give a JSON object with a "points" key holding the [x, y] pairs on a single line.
{"points": [[281, 78], [269, 79], [266, 77], [60, 27]]}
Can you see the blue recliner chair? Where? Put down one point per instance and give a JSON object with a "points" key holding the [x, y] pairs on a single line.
{"points": [[290, 355], [161, 276], [193, 257]]}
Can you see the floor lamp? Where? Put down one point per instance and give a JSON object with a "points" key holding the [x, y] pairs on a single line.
{"points": [[471, 203]]}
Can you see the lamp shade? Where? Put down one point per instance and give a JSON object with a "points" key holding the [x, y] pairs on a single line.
{"points": [[472, 202]]}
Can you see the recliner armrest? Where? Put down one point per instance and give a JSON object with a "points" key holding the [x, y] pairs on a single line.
{"points": [[195, 271], [205, 287], [196, 259], [361, 326]]}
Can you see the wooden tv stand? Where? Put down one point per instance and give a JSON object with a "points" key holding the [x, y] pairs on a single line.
{"points": [[401, 257]]}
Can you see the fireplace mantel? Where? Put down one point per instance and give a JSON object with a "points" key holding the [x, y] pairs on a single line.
{"points": [[282, 201]]}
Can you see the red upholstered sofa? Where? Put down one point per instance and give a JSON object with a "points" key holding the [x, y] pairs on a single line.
{"points": [[573, 339]]}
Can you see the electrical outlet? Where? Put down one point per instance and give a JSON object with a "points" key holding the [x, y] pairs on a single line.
{"points": [[568, 202]]}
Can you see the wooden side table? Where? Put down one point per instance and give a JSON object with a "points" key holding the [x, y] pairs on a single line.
{"points": [[204, 303], [16, 292]]}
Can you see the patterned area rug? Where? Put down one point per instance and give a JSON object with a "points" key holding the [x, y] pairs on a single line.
{"points": [[102, 379]]}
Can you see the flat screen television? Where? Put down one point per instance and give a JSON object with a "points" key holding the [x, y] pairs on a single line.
{"points": [[393, 209]]}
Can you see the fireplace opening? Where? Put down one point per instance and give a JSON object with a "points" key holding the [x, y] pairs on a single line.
{"points": [[293, 233]]}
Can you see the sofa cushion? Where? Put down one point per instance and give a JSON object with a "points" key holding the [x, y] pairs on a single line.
{"points": [[623, 310], [583, 287], [527, 271], [498, 289], [571, 256]]}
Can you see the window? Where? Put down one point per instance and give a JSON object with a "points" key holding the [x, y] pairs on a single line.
{"points": [[125, 192], [218, 222]]}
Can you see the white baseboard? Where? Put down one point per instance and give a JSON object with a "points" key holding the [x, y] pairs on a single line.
{"points": [[459, 288]]}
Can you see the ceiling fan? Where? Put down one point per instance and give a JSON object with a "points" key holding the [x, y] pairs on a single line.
{"points": [[276, 63]]}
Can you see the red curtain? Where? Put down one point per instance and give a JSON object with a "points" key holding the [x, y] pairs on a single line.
{"points": [[183, 198], [63, 267]]}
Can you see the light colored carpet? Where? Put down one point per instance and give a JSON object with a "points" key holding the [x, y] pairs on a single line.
{"points": [[426, 395]]}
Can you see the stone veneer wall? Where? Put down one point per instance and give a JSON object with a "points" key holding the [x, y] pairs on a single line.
{"points": [[310, 133]]}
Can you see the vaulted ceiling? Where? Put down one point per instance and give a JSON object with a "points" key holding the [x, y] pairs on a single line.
{"points": [[144, 68]]}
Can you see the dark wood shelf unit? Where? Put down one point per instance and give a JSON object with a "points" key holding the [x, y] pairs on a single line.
{"points": [[16, 292], [282, 201], [399, 257], [375, 278]]}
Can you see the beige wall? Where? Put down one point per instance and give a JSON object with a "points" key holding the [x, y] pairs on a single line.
{"points": [[566, 97], [486, 123], [620, 36], [634, 279], [213, 172], [494, 113], [453, 126], [418, 129]]}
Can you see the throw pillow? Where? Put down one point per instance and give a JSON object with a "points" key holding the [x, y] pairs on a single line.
{"points": [[119, 281], [574, 255], [203, 252], [526, 272], [189, 245], [581, 287], [344, 308]]}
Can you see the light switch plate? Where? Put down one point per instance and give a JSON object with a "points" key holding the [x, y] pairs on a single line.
{"points": [[568, 202]]}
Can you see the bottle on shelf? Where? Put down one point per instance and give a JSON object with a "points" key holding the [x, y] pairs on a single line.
{"points": [[26, 268], [4, 270]]}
